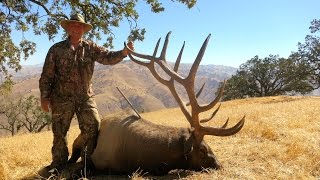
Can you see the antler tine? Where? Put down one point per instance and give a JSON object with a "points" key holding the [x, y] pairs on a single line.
{"points": [[200, 90], [215, 101], [198, 93], [164, 66], [188, 84], [176, 65], [190, 81], [156, 48], [151, 58], [212, 115], [196, 63], [222, 131], [152, 70], [171, 73], [165, 46], [138, 62], [225, 124], [160, 61]]}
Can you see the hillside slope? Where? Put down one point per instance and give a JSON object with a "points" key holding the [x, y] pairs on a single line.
{"points": [[134, 80], [280, 140]]}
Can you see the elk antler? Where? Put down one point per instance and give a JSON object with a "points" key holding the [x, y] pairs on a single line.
{"points": [[188, 83]]}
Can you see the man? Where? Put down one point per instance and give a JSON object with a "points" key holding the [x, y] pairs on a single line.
{"points": [[65, 87]]}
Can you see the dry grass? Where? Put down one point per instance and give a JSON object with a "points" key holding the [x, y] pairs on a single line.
{"points": [[280, 140]]}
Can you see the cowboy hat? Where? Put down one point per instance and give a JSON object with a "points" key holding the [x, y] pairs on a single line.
{"points": [[78, 18]]}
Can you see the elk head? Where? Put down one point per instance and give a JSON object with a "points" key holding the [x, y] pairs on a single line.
{"points": [[198, 153]]}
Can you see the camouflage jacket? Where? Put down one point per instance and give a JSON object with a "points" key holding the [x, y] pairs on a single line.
{"points": [[68, 72]]}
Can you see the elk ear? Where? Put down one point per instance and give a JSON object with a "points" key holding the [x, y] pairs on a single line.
{"points": [[188, 142]]}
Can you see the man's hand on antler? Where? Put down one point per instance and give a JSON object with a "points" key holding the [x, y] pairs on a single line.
{"points": [[130, 44]]}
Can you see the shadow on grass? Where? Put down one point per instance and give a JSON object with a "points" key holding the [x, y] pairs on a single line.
{"points": [[75, 172], [72, 171], [175, 174]]}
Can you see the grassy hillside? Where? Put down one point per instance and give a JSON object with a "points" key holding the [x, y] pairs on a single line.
{"points": [[136, 82], [280, 140]]}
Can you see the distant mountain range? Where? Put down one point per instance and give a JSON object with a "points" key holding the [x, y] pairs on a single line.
{"points": [[137, 83]]}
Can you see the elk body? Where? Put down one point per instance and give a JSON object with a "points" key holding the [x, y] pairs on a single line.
{"points": [[128, 143]]}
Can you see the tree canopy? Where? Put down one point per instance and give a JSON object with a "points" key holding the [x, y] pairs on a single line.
{"points": [[309, 53], [43, 17], [23, 113], [269, 76]]}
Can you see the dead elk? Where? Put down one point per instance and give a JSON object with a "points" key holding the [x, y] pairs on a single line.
{"points": [[126, 144]]}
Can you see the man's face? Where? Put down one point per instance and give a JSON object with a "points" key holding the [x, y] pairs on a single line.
{"points": [[75, 30]]}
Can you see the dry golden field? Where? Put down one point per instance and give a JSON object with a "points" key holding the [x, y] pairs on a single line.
{"points": [[280, 140]]}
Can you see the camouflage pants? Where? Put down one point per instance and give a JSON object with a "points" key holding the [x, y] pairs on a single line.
{"points": [[63, 111]]}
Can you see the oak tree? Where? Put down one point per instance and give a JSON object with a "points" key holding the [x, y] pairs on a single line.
{"points": [[270, 76], [43, 17], [309, 53]]}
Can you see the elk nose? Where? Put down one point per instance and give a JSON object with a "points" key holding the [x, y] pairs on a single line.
{"points": [[213, 162]]}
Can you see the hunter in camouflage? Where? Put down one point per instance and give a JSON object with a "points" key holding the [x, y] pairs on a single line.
{"points": [[65, 87]]}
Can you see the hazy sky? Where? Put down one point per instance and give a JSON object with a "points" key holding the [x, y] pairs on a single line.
{"points": [[239, 29]]}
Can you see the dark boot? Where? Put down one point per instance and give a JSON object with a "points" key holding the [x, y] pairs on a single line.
{"points": [[78, 170], [56, 166], [88, 167], [52, 170]]}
